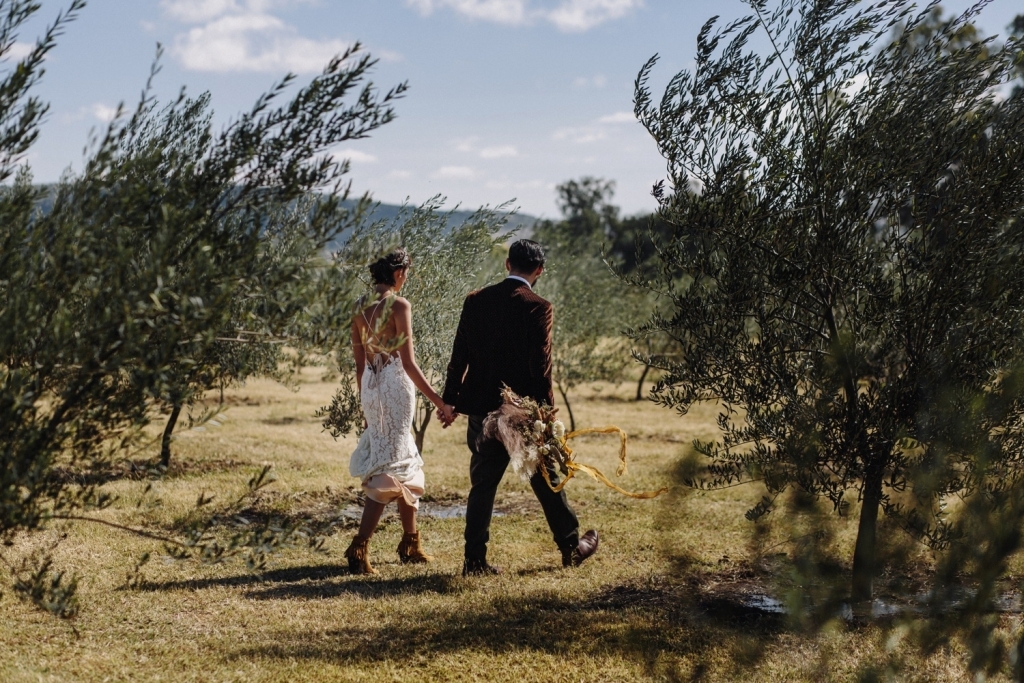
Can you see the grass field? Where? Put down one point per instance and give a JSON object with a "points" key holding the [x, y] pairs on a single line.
{"points": [[633, 612]]}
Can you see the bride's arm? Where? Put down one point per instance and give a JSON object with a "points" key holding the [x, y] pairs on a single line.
{"points": [[403, 321], [360, 354]]}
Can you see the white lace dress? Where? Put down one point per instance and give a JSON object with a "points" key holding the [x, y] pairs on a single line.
{"points": [[386, 458]]}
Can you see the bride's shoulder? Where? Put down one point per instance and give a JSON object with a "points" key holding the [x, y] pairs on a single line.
{"points": [[401, 304]]}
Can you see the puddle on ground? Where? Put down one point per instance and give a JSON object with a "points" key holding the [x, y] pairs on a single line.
{"points": [[878, 609], [431, 510], [1010, 603], [441, 511], [763, 603]]}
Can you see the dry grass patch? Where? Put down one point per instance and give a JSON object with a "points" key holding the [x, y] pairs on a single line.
{"points": [[628, 614]]}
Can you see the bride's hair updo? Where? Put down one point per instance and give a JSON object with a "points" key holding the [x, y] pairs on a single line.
{"points": [[383, 270]]}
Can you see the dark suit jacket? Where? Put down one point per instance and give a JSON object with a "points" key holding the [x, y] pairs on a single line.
{"points": [[504, 336]]}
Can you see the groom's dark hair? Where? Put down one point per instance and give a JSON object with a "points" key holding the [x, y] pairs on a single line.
{"points": [[525, 256]]}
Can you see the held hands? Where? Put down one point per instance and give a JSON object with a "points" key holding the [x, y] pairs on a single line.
{"points": [[446, 415]]}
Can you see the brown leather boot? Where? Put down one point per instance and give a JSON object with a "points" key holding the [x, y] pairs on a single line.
{"points": [[410, 550], [358, 555], [574, 557]]}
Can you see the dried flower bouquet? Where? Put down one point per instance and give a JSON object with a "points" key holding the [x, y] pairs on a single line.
{"points": [[536, 440]]}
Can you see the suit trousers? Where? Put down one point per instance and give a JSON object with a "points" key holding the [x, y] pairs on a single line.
{"points": [[486, 468]]}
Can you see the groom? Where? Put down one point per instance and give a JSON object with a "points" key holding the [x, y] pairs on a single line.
{"points": [[504, 337]]}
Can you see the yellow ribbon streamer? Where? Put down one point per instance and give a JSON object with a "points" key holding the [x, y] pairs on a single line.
{"points": [[575, 467]]}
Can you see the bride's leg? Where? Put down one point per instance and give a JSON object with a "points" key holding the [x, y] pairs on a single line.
{"points": [[408, 514], [410, 550], [372, 511], [358, 553]]}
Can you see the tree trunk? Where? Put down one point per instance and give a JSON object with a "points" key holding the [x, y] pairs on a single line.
{"points": [[568, 406], [865, 560], [165, 444], [420, 422], [640, 384]]}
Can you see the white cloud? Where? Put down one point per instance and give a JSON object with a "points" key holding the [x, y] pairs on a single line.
{"points": [[596, 131], [103, 112], [575, 16], [598, 81], [570, 16], [355, 156], [580, 135], [198, 11], [99, 111], [20, 50], [389, 56], [499, 152], [454, 173], [242, 35], [399, 174], [471, 145], [511, 12], [252, 42], [618, 117]]}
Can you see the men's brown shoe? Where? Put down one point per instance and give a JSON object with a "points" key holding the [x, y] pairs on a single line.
{"points": [[587, 547], [480, 568]]}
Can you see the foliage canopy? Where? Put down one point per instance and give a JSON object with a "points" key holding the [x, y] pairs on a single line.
{"points": [[844, 267], [170, 237]]}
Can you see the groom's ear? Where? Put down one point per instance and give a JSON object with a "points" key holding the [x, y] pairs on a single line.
{"points": [[508, 265]]}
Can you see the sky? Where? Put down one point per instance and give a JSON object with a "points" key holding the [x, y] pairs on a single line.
{"points": [[507, 98]]}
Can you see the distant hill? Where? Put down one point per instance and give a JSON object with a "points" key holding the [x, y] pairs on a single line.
{"points": [[522, 223]]}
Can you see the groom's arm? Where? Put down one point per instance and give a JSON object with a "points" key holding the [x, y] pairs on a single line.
{"points": [[459, 360], [541, 322]]}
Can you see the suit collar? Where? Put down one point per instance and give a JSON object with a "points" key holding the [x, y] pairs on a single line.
{"points": [[518, 281]]}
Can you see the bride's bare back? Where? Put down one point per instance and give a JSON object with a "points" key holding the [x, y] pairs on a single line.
{"points": [[375, 328], [384, 328]]}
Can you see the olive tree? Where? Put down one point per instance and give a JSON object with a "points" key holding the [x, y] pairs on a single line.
{"points": [[270, 311], [1017, 30], [590, 303], [138, 268], [845, 256]]}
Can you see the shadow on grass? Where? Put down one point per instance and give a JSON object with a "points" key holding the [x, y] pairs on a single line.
{"points": [[670, 633], [363, 586], [535, 571], [315, 582], [142, 470], [319, 572]]}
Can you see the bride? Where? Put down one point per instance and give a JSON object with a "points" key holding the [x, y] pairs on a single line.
{"points": [[386, 458]]}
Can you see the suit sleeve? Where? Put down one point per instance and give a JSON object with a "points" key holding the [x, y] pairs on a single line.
{"points": [[541, 322], [459, 360]]}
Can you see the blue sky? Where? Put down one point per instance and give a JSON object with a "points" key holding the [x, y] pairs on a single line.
{"points": [[507, 99]]}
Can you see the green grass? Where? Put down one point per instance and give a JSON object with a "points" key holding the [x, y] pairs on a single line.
{"points": [[632, 612]]}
